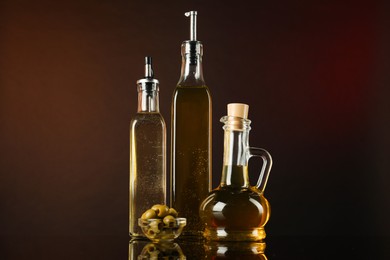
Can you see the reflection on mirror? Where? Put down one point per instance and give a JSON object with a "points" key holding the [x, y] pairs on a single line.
{"points": [[234, 250], [140, 249]]}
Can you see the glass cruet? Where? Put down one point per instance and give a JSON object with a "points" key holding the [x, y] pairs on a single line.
{"points": [[235, 210]]}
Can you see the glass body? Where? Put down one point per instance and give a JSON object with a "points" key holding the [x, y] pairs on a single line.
{"points": [[235, 210], [147, 159], [191, 141]]}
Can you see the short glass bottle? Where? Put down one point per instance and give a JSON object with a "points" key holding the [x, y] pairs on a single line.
{"points": [[235, 210]]}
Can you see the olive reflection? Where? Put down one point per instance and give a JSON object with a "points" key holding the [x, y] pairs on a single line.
{"points": [[235, 250], [157, 251]]}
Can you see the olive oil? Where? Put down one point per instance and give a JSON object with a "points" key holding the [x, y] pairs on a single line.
{"points": [[191, 151], [191, 136], [237, 211], [148, 178]]}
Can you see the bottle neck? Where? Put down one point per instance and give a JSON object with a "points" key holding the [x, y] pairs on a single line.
{"points": [[236, 156], [148, 101], [191, 66]]}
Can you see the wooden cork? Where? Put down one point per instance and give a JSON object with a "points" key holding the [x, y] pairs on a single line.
{"points": [[238, 110]]}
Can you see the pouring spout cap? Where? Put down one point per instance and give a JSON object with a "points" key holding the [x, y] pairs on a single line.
{"points": [[238, 110], [148, 67], [192, 15], [148, 82]]}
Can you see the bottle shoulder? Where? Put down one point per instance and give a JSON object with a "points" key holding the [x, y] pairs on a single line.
{"points": [[152, 118], [191, 86], [201, 91], [249, 191]]}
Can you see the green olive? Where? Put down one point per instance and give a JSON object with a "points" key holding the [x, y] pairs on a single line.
{"points": [[151, 233], [156, 226], [150, 213], [169, 221], [172, 212], [161, 210]]}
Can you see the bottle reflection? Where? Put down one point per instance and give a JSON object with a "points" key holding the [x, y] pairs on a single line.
{"points": [[235, 250], [139, 249], [135, 248], [143, 249]]}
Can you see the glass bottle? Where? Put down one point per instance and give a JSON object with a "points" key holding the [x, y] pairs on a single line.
{"points": [[147, 151], [191, 135], [235, 210]]}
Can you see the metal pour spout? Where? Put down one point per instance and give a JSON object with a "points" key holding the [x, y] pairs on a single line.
{"points": [[148, 83], [192, 15], [148, 67]]}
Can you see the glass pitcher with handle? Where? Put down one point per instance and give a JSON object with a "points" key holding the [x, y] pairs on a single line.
{"points": [[235, 210]]}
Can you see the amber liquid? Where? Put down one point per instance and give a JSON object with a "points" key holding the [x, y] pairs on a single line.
{"points": [[191, 153], [235, 211], [147, 166]]}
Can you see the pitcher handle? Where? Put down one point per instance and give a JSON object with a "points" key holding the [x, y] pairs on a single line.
{"points": [[266, 168]]}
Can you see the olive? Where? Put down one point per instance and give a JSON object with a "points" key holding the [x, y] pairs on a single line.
{"points": [[169, 221], [150, 213], [156, 226], [172, 212], [151, 233], [161, 210]]}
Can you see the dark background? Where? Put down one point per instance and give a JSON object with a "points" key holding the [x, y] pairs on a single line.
{"points": [[315, 74]]}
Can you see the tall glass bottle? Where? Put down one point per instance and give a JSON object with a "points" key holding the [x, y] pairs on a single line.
{"points": [[147, 151], [237, 211], [191, 135]]}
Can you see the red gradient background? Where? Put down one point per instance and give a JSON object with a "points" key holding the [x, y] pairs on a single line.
{"points": [[315, 74]]}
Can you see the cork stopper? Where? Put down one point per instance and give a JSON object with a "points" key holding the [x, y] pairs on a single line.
{"points": [[238, 110]]}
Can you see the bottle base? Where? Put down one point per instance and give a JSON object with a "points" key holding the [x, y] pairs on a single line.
{"points": [[223, 234]]}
